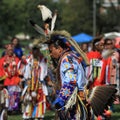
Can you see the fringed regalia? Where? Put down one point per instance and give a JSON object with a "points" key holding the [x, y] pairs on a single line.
{"points": [[34, 94], [68, 103]]}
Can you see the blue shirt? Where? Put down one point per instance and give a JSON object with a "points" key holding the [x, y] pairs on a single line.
{"points": [[18, 52], [71, 70]]}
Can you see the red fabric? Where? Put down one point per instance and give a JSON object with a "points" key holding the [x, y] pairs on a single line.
{"points": [[99, 118], [4, 71], [101, 79], [40, 96], [12, 81], [48, 105], [94, 54], [109, 60]]}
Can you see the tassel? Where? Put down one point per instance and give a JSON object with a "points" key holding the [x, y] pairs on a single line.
{"points": [[72, 100]]}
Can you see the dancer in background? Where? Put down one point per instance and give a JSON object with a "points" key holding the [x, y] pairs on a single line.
{"points": [[17, 48], [35, 92], [8, 66], [97, 70]]}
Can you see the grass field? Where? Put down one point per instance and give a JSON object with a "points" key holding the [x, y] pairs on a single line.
{"points": [[50, 115]]}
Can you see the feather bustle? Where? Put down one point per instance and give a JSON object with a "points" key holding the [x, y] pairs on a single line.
{"points": [[101, 97]]}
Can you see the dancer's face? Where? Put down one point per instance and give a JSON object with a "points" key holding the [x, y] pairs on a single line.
{"points": [[55, 52]]}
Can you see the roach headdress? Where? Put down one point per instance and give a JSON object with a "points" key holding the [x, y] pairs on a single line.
{"points": [[65, 37]]}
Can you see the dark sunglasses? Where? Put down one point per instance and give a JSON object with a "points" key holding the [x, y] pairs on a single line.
{"points": [[109, 43]]}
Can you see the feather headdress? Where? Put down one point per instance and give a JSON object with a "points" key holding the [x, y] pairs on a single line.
{"points": [[66, 38], [101, 97]]}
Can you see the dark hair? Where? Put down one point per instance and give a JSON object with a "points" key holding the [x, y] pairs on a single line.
{"points": [[95, 40], [58, 41], [18, 44], [35, 48], [1, 82], [107, 39]]}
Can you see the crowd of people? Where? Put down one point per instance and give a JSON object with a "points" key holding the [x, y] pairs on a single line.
{"points": [[28, 84]]}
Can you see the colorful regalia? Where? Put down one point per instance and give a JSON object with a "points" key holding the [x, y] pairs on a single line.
{"points": [[34, 94], [112, 65], [97, 70], [72, 76], [8, 66]]}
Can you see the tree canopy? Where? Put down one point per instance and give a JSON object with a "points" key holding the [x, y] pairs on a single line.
{"points": [[74, 16]]}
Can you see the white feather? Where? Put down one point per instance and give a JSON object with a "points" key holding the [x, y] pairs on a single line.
{"points": [[46, 13], [53, 21]]}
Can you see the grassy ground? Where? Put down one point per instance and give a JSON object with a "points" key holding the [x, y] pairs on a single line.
{"points": [[50, 115], [116, 114]]}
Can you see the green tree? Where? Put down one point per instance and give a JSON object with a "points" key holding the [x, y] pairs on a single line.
{"points": [[11, 18], [107, 20], [15, 15], [76, 17]]}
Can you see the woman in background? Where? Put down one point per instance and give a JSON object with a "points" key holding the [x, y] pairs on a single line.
{"points": [[17, 48]]}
